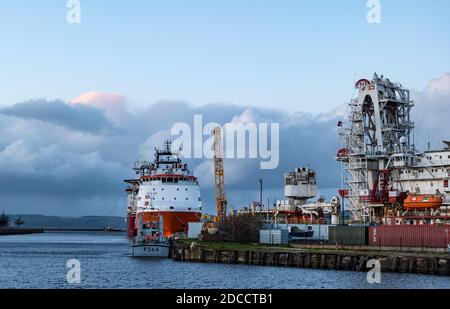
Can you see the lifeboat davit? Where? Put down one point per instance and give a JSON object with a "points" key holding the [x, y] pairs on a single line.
{"points": [[423, 201]]}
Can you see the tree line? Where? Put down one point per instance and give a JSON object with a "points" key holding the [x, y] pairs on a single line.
{"points": [[5, 221]]}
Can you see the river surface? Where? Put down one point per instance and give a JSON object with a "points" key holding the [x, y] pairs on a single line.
{"points": [[39, 261]]}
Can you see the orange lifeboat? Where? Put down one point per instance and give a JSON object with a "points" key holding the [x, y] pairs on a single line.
{"points": [[422, 201]]}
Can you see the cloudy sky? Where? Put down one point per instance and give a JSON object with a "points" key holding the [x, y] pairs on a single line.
{"points": [[80, 102]]}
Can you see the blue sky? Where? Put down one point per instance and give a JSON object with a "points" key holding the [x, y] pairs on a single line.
{"points": [[290, 55]]}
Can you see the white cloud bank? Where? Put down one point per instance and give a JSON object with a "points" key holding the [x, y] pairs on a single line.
{"points": [[70, 158], [432, 112]]}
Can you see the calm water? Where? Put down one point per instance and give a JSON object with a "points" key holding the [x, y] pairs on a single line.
{"points": [[39, 261]]}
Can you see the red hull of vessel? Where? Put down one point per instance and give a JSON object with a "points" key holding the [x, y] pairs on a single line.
{"points": [[131, 223]]}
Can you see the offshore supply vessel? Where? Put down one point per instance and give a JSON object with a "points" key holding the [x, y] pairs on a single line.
{"points": [[166, 190], [386, 180]]}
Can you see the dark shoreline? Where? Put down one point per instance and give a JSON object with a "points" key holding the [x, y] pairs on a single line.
{"points": [[27, 231], [20, 231], [83, 230]]}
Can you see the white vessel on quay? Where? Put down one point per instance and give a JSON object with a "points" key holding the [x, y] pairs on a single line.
{"points": [[166, 188]]}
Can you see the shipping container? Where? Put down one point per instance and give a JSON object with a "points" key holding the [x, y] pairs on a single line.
{"points": [[424, 236], [274, 236], [348, 235], [194, 229]]}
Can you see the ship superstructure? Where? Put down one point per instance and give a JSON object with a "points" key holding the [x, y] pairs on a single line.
{"points": [[166, 188], [384, 178], [300, 185]]}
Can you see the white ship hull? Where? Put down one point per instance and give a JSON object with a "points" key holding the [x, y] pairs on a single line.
{"points": [[151, 250]]}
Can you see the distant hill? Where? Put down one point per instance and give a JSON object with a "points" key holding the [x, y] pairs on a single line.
{"points": [[88, 222]]}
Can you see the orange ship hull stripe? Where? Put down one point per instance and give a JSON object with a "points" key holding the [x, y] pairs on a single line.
{"points": [[173, 222]]}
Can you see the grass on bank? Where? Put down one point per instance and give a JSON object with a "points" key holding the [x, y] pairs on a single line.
{"points": [[231, 245]]}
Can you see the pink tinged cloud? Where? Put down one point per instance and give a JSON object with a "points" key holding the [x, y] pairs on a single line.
{"points": [[113, 104]]}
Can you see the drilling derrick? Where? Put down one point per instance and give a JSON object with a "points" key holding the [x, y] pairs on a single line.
{"points": [[219, 177], [378, 128]]}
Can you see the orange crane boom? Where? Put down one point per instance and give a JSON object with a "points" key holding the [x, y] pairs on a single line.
{"points": [[219, 176]]}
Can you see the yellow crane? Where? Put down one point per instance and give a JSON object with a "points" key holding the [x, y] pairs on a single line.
{"points": [[219, 176]]}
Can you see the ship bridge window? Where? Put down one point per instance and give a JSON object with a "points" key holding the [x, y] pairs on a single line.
{"points": [[446, 183], [175, 180], [164, 180], [170, 180]]}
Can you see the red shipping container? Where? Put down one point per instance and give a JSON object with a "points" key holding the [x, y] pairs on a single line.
{"points": [[422, 236]]}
